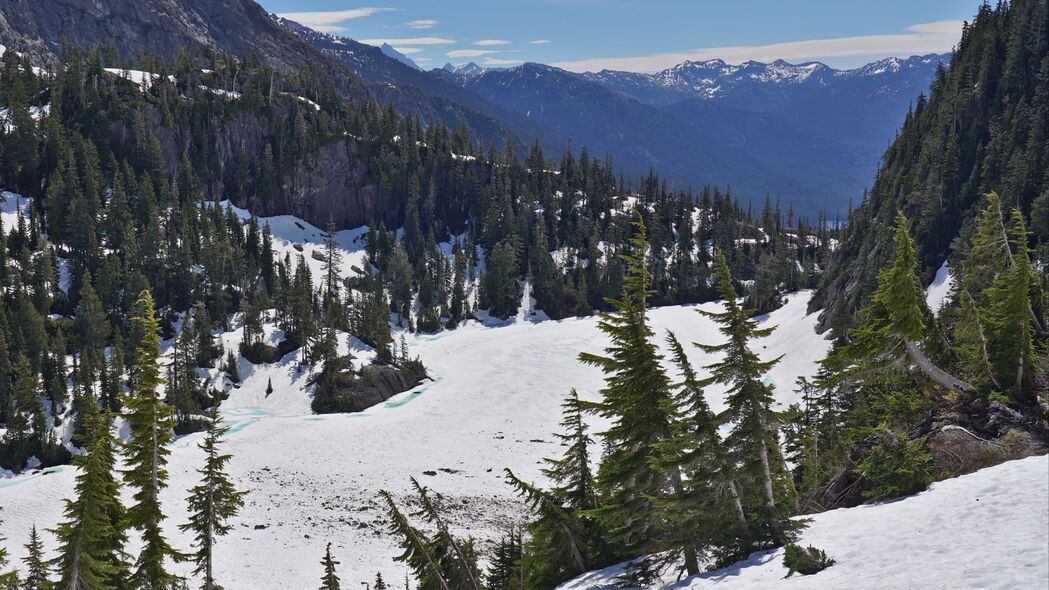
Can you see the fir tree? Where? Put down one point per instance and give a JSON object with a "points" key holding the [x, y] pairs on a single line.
{"points": [[894, 319], [91, 538], [638, 404], [379, 584], [211, 503], [504, 565], [753, 443], [150, 421], [330, 581], [705, 511], [1009, 300], [37, 570]]}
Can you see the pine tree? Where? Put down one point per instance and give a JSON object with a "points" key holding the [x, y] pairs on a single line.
{"points": [[91, 539], [504, 565], [211, 503], [894, 319], [330, 581], [1013, 353], [332, 267], [638, 404], [753, 444], [379, 584], [418, 549], [150, 421], [705, 510], [37, 570]]}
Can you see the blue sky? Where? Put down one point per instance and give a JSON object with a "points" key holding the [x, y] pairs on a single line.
{"points": [[638, 35]]}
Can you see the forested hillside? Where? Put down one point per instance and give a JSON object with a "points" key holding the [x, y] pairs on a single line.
{"points": [[982, 128]]}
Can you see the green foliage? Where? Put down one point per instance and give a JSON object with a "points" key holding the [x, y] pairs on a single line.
{"points": [[330, 580], [805, 560], [895, 466], [753, 443], [150, 423], [91, 538], [212, 503], [637, 402]]}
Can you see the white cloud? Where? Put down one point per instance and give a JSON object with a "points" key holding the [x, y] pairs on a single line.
{"points": [[411, 41], [421, 24], [407, 50], [491, 42], [922, 38], [470, 52], [539, 42], [329, 21]]}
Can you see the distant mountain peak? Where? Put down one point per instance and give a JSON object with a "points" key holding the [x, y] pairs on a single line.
{"points": [[389, 51], [468, 69]]}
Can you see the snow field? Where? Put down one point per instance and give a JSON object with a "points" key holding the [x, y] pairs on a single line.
{"points": [[494, 402]]}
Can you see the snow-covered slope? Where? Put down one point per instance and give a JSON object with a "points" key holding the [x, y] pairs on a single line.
{"points": [[493, 403], [989, 529]]}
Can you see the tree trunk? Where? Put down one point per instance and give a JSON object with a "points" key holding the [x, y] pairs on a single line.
{"points": [[742, 518], [933, 372]]}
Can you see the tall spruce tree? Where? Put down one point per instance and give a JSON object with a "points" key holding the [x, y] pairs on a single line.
{"points": [[637, 402], [894, 320], [330, 580], [753, 443], [1009, 308], [37, 570], [705, 511], [211, 503], [91, 538], [150, 423]]}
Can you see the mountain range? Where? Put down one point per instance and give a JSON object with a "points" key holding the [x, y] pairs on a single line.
{"points": [[807, 133]]}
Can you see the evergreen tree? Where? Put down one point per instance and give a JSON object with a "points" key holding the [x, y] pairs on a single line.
{"points": [[504, 565], [638, 404], [37, 570], [1013, 353], [150, 430], [379, 584], [211, 503], [894, 319], [91, 538], [330, 581], [705, 511], [753, 443]]}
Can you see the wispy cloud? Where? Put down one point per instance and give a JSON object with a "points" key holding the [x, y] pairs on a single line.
{"points": [[539, 42], [456, 53], [922, 38], [410, 41], [330, 21], [495, 61], [407, 50], [491, 42], [421, 24]]}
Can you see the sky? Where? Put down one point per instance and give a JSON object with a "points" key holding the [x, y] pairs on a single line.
{"points": [[640, 35]]}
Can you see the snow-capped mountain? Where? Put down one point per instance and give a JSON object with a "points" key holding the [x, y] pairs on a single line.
{"points": [[714, 78], [469, 70]]}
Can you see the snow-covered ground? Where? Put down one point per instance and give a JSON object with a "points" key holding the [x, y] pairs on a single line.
{"points": [[493, 403], [939, 291], [989, 529]]}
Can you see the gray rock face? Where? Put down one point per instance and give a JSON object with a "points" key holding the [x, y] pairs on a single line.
{"points": [[331, 183], [376, 384]]}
